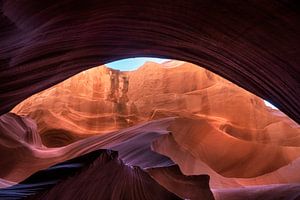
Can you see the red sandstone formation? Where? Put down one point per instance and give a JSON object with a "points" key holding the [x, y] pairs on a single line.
{"points": [[132, 144], [134, 147], [255, 44], [97, 175], [194, 125], [101, 100]]}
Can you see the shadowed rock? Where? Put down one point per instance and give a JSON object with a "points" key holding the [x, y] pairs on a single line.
{"points": [[255, 44], [97, 175]]}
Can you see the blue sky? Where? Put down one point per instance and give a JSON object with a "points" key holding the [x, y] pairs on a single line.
{"points": [[130, 64]]}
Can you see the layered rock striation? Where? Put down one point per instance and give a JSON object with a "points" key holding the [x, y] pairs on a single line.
{"points": [[101, 100], [255, 44], [184, 135]]}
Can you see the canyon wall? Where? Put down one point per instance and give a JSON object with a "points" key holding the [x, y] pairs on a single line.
{"points": [[101, 100], [174, 124], [255, 44]]}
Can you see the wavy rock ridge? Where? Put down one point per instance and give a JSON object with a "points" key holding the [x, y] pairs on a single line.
{"points": [[101, 100], [178, 134], [255, 44], [160, 168], [102, 176], [84, 177]]}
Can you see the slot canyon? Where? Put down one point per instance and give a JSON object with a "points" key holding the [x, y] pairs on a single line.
{"points": [[191, 123]]}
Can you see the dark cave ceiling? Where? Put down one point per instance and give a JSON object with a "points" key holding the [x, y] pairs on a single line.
{"points": [[254, 44]]}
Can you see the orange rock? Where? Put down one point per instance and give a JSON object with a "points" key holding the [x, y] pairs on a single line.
{"points": [[219, 129], [101, 100]]}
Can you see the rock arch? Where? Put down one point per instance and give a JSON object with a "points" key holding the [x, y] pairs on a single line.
{"points": [[255, 44]]}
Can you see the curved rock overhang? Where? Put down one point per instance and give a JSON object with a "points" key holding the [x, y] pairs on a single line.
{"points": [[254, 44]]}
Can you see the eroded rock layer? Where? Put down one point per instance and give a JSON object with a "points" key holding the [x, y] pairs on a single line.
{"points": [[155, 149], [101, 100], [178, 135], [119, 177], [255, 44], [192, 124], [97, 175]]}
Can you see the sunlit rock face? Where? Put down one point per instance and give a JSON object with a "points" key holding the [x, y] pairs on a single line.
{"points": [[180, 127], [101, 100]]}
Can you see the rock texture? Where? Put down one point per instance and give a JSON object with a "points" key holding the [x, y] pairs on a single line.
{"points": [[77, 177], [137, 146], [255, 44], [101, 100], [181, 138], [102, 176], [92, 102]]}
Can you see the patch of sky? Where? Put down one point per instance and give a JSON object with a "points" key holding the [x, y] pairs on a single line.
{"points": [[130, 64]]}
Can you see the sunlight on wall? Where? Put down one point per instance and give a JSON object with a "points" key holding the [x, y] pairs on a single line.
{"points": [[130, 64]]}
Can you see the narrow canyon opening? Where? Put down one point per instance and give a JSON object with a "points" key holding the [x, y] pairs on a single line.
{"points": [[149, 128], [168, 118]]}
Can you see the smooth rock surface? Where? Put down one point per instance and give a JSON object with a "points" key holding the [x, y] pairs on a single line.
{"points": [[101, 100], [255, 44]]}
